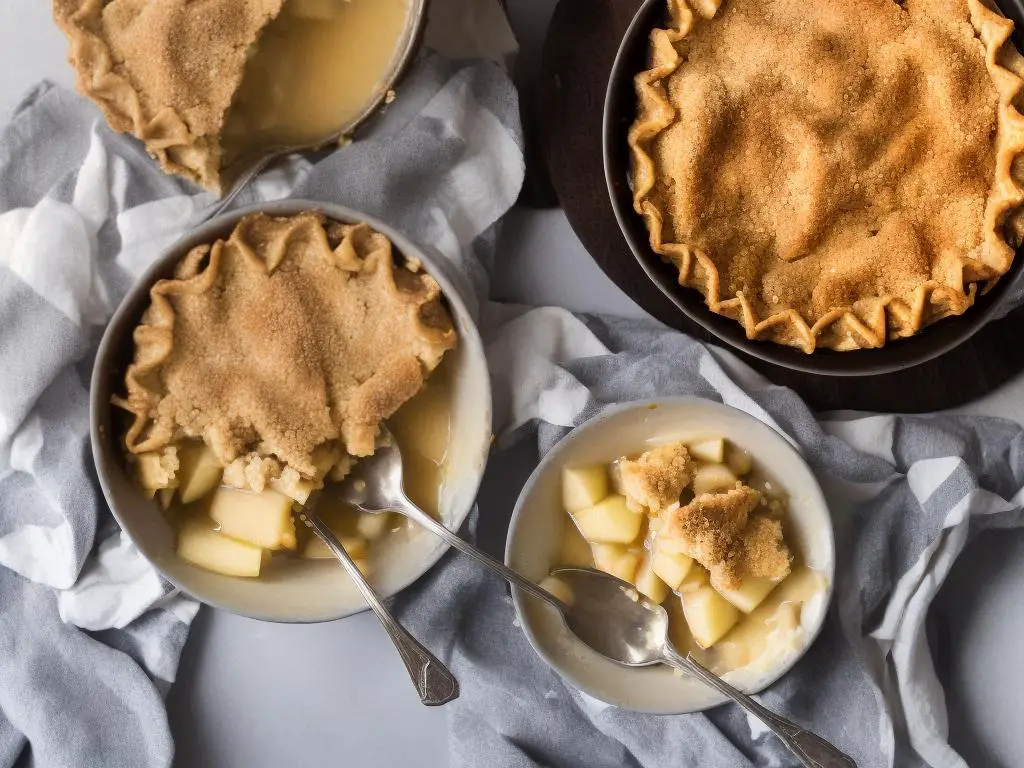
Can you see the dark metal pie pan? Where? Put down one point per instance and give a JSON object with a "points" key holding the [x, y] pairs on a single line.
{"points": [[620, 112]]}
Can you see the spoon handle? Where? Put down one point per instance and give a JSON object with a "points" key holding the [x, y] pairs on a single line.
{"points": [[812, 750], [417, 515], [434, 683]]}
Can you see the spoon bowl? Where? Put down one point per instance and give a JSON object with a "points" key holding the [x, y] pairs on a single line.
{"points": [[610, 616]]}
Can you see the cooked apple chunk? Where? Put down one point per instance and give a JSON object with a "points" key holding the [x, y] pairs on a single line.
{"points": [[558, 588], [166, 496], [749, 594], [294, 486], [156, 470], [712, 478], [609, 522], [200, 472], [648, 582], [616, 560], [695, 578], [709, 615], [739, 461], [199, 543], [575, 549], [263, 519], [711, 450], [372, 527], [671, 567], [583, 487]]}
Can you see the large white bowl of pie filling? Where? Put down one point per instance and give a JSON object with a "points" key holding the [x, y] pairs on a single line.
{"points": [[705, 510], [245, 374]]}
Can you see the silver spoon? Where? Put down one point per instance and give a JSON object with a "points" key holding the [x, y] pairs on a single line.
{"points": [[434, 683], [606, 613], [610, 616]]}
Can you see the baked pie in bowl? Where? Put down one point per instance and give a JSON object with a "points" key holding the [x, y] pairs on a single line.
{"points": [[211, 87], [246, 374], [829, 176]]}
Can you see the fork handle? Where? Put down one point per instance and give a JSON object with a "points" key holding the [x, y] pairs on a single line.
{"points": [[417, 515], [810, 749], [434, 683]]}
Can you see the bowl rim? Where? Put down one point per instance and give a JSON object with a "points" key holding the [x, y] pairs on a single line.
{"points": [[403, 57], [217, 227], [931, 342], [579, 433]]}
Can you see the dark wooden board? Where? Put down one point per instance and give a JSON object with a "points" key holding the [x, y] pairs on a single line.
{"points": [[582, 41]]}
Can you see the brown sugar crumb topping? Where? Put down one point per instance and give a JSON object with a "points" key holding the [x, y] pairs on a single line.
{"points": [[291, 336], [655, 480], [765, 554], [723, 537]]}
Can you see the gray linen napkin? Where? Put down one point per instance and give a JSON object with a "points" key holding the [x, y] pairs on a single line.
{"points": [[906, 494], [90, 636]]}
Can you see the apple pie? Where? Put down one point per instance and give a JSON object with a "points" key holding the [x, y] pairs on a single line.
{"points": [[208, 86], [265, 366], [832, 175]]}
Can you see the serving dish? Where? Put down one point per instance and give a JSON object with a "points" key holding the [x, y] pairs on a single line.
{"points": [[215, 93], [299, 591], [535, 536], [619, 114]]}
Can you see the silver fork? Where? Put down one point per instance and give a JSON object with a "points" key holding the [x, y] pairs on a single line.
{"points": [[435, 684]]}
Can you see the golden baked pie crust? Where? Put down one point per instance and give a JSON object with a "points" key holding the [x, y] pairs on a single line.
{"points": [[167, 71], [870, 317], [292, 335]]}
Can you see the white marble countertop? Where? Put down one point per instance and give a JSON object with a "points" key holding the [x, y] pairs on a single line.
{"points": [[253, 694]]}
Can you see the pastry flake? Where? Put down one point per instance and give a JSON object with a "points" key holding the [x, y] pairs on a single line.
{"points": [[655, 479]]}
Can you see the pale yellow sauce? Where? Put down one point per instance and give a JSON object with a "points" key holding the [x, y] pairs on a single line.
{"points": [[422, 428], [316, 67]]}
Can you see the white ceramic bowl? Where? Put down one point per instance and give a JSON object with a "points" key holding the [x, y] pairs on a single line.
{"points": [[536, 532], [293, 591]]}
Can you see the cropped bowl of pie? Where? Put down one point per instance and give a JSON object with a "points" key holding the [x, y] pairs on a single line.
{"points": [[246, 373], [210, 88], [841, 191], [703, 509]]}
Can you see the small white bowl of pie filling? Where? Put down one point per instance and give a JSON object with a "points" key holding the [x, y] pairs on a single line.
{"points": [[704, 509], [244, 374]]}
